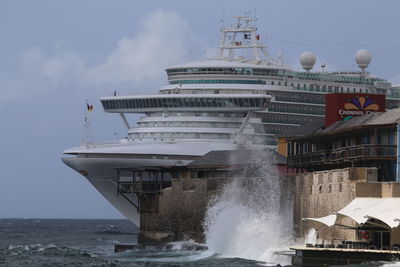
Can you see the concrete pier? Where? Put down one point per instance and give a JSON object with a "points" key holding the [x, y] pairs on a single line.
{"points": [[158, 247], [315, 256]]}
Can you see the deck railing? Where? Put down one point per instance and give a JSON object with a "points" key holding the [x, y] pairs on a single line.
{"points": [[354, 245], [342, 155]]}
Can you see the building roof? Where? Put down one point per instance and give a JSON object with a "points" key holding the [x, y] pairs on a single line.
{"points": [[389, 117], [305, 129], [238, 157]]}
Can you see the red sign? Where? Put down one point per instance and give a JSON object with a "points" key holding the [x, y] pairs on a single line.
{"points": [[346, 106]]}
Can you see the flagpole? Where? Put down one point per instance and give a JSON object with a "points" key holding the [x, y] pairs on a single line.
{"points": [[87, 133]]}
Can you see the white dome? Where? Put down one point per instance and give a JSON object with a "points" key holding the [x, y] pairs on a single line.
{"points": [[307, 60], [363, 57]]}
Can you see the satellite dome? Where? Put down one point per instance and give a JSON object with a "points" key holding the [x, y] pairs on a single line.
{"points": [[363, 57], [307, 60]]}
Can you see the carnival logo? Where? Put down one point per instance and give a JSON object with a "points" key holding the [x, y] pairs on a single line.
{"points": [[359, 106]]}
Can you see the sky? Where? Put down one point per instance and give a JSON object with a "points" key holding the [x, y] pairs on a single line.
{"points": [[55, 55]]}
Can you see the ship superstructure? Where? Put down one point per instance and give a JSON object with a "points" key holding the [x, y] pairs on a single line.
{"points": [[242, 97]]}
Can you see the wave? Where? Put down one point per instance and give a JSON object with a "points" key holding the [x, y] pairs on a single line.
{"points": [[49, 249], [251, 218], [114, 232], [174, 252]]}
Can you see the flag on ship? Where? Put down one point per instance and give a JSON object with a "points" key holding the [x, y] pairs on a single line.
{"points": [[88, 106]]}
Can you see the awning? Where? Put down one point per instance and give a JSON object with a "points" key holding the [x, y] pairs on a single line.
{"points": [[363, 209], [388, 212], [359, 207], [327, 220]]}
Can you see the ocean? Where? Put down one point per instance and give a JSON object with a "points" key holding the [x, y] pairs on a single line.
{"points": [[79, 242]]}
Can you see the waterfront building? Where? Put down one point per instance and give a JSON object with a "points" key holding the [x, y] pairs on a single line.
{"points": [[347, 187], [365, 141]]}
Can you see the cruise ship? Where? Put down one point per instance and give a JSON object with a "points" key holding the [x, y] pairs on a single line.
{"points": [[242, 97]]}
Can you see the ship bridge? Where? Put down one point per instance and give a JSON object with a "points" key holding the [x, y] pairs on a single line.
{"points": [[185, 102]]}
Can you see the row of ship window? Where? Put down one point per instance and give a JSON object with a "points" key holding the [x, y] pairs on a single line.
{"points": [[395, 93], [306, 87], [276, 129], [173, 136], [234, 71], [298, 97], [196, 114], [266, 140], [321, 88], [181, 103], [191, 124], [329, 77], [292, 108], [217, 81], [284, 118]]}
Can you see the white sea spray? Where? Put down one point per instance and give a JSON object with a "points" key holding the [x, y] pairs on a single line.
{"points": [[251, 217], [311, 236]]}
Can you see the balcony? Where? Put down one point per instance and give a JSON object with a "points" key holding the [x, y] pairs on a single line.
{"points": [[343, 155]]}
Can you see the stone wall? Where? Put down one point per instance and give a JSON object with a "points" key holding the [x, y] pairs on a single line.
{"points": [[321, 193], [378, 189], [181, 211], [181, 208]]}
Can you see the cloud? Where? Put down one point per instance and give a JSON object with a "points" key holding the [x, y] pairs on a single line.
{"points": [[160, 42], [66, 66], [163, 39]]}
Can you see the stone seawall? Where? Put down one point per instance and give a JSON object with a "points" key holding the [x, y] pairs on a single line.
{"points": [[178, 212], [321, 193]]}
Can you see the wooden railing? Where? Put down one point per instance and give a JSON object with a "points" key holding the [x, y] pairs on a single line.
{"points": [[342, 155]]}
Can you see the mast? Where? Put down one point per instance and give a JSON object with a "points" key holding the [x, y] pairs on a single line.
{"points": [[242, 36]]}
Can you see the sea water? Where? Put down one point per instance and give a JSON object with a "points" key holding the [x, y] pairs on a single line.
{"points": [[66, 242], [70, 242]]}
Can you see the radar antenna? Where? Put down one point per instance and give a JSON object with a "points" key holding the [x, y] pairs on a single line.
{"points": [[242, 35]]}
